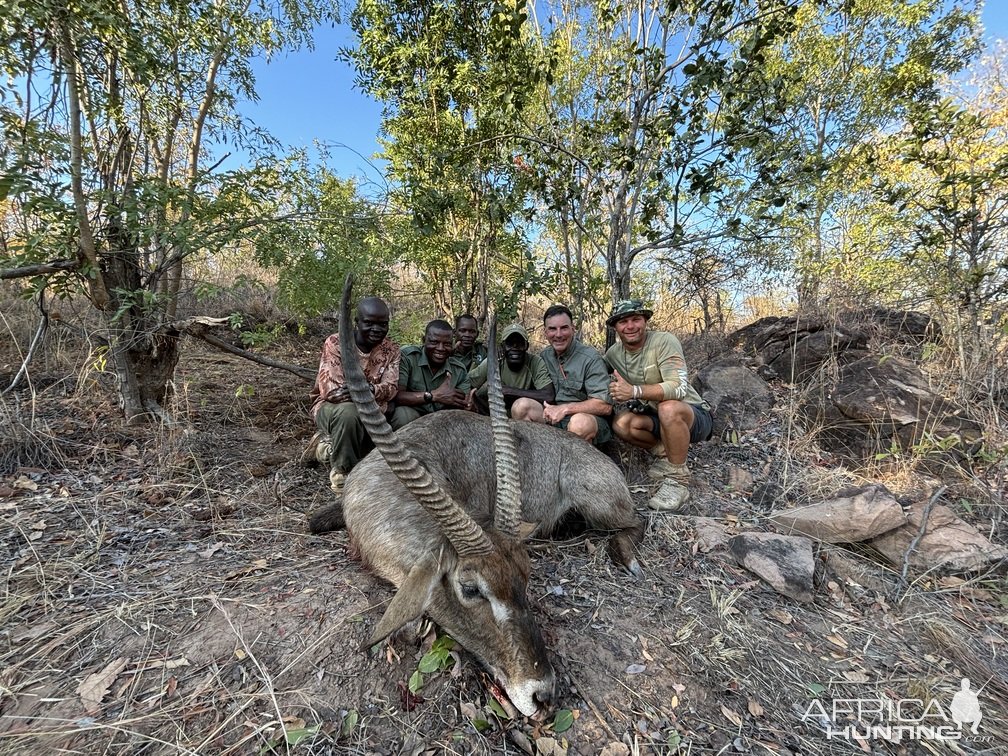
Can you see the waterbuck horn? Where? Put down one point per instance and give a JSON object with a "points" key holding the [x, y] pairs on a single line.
{"points": [[507, 506], [464, 533]]}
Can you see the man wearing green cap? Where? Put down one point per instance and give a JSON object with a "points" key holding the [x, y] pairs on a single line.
{"points": [[656, 407], [525, 381]]}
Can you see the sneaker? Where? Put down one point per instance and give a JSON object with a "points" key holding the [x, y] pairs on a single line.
{"points": [[336, 480], [323, 450], [663, 469], [670, 497]]}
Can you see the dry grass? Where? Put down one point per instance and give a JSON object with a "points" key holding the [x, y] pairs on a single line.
{"points": [[177, 554]]}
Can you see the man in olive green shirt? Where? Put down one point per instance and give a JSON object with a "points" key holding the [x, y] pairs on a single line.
{"points": [[581, 380], [525, 381], [430, 377], [656, 406], [467, 348]]}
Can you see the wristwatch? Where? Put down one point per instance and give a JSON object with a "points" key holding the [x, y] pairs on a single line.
{"points": [[428, 397]]}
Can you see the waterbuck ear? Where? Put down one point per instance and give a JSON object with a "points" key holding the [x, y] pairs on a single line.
{"points": [[410, 601]]}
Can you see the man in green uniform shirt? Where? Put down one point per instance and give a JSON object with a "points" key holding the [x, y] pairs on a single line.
{"points": [[430, 377], [581, 380], [656, 407], [525, 381], [467, 348]]}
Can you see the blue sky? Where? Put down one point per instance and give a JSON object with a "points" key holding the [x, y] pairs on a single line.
{"points": [[309, 95]]}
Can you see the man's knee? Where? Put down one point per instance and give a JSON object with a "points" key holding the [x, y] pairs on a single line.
{"points": [[583, 425], [526, 409], [402, 416]]}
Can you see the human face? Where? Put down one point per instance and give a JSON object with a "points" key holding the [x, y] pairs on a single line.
{"points": [[515, 349], [631, 331], [437, 346], [559, 333], [371, 325], [466, 332]]}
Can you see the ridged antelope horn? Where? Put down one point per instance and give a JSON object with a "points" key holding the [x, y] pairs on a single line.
{"points": [[507, 506], [464, 533]]}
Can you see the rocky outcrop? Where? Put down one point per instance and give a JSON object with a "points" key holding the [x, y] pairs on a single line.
{"points": [[737, 394]]}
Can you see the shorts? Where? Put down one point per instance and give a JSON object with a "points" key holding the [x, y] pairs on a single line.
{"points": [[703, 423], [603, 431]]}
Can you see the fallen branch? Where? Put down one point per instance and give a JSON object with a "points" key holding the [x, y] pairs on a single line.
{"points": [[901, 586], [43, 326], [199, 328]]}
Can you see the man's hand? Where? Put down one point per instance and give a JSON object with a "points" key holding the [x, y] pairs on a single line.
{"points": [[619, 389], [554, 413], [448, 395], [342, 394]]}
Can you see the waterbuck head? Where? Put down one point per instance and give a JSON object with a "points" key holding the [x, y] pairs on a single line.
{"points": [[471, 580]]}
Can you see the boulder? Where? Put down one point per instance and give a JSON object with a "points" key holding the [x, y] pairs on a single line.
{"points": [[784, 562], [949, 543], [881, 402], [795, 349], [851, 517], [738, 394]]}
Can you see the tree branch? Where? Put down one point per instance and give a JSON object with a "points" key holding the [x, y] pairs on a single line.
{"points": [[199, 327], [40, 269]]}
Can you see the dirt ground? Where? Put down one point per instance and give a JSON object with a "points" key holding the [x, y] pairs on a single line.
{"points": [[162, 595]]}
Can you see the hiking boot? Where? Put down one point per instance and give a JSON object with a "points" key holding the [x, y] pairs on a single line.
{"points": [[336, 480], [658, 450], [663, 469], [312, 454], [670, 496]]}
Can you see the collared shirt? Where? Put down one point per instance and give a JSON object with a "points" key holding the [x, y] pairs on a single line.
{"points": [[659, 361], [381, 368], [532, 375], [416, 374], [476, 355], [577, 375]]}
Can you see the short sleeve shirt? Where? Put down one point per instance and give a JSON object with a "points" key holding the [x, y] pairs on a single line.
{"points": [[660, 361], [416, 374], [532, 375], [577, 375], [475, 356]]}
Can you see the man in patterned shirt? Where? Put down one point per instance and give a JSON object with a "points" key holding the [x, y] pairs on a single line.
{"points": [[656, 407], [342, 441]]}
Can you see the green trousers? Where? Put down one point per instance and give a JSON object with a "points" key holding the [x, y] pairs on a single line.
{"points": [[347, 435]]}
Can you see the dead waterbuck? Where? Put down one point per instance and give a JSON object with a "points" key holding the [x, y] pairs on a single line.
{"points": [[436, 510]]}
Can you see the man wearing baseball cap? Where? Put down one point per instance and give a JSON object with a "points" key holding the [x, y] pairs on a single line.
{"points": [[656, 407], [525, 380]]}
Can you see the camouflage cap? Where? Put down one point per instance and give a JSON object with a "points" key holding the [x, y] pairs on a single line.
{"points": [[512, 329], [625, 308]]}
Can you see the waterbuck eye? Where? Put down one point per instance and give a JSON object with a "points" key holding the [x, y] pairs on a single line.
{"points": [[469, 591]]}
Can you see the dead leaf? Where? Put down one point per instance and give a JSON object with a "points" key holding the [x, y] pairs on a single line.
{"points": [[240, 654], [856, 676], [95, 687], [732, 716], [635, 669], [171, 686], [836, 640], [40, 525], [754, 707], [25, 484], [212, 549], [782, 616]]}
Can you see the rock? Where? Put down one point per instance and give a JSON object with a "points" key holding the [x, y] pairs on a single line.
{"points": [[739, 395], [615, 748], [710, 534], [785, 562], [796, 348], [879, 402], [949, 543], [855, 516]]}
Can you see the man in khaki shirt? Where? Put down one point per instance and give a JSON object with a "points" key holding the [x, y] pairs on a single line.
{"points": [[656, 406]]}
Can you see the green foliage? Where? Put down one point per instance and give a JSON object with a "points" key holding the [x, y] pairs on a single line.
{"points": [[439, 658]]}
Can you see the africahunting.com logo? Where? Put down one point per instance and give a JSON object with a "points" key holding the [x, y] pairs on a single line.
{"points": [[896, 720]]}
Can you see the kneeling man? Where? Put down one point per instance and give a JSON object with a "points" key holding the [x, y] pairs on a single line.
{"points": [[525, 381], [658, 403]]}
